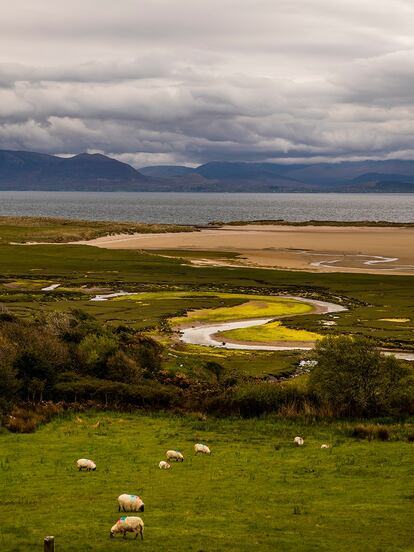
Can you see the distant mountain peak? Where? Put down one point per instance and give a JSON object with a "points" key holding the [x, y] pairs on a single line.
{"points": [[25, 170]]}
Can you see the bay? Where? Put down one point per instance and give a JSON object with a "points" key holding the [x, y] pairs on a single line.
{"points": [[201, 208]]}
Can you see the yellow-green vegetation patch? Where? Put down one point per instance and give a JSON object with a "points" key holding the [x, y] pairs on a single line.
{"points": [[28, 283], [396, 320], [273, 331], [253, 306]]}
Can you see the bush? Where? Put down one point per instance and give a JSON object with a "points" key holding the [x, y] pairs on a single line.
{"points": [[251, 399], [25, 419], [355, 379], [370, 431]]}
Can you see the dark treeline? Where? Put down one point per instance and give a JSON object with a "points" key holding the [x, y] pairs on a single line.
{"points": [[72, 358]]}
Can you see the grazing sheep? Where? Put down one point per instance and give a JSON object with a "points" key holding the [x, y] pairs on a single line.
{"points": [[130, 503], [163, 465], [203, 449], [129, 524], [174, 455], [324, 446], [85, 464], [298, 441]]}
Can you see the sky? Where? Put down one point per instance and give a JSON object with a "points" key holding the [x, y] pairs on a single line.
{"points": [[189, 81]]}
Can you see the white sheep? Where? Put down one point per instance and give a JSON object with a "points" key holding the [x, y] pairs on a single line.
{"points": [[163, 465], [130, 503], [324, 446], [174, 455], [298, 441], [129, 524], [85, 464], [203, 449]]}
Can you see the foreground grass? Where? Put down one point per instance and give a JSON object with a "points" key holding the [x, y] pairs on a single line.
{"points": [[256, 490]]}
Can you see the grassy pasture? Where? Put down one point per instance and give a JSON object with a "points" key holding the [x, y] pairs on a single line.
{"points": [[257, 490]]}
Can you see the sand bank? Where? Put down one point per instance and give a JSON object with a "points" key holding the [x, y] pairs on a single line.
{"points": [[313, 248]]}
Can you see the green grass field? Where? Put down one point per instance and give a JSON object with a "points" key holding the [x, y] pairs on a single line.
{"points": [[257, 490]]}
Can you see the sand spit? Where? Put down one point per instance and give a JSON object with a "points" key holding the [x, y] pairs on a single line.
{"points": [[377, 250]]}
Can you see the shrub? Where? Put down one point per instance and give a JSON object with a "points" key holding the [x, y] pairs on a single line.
{"points": [[371, 431], [355, 379], [255, 398], [25, 419], [121, 367]]}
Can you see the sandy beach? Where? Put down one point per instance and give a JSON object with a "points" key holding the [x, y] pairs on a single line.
{"points": [[385, 250]]}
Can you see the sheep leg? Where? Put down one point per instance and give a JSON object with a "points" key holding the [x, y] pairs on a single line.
{"points": [[119, 508]]}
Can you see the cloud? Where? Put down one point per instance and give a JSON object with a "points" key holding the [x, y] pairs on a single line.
{"points": [[188, 82]]}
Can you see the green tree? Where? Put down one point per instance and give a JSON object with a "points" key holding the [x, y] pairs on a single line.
{"points": [[147, 353], [94, 350], [9, 383], [354, 378], [120, 367]]}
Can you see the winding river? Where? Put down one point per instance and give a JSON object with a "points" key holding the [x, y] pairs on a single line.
{"points": [[206, 334]]}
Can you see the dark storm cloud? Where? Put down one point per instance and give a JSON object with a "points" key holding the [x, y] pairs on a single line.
{"points": [[157, 81]]}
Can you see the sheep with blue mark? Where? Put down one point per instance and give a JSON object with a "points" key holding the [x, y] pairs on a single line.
{"points": [[130, 503], [174, 455], [202, 449], [128, 524]]}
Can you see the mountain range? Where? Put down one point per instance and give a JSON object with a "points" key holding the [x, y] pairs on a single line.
{"points": [[23, 170]]}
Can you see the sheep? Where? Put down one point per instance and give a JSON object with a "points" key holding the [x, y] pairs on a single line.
{"points": [[324, 446], [128, 524], [201, 448], [163, 465], [84, 463], [174, 455], [130, 503], [298, 441]]}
